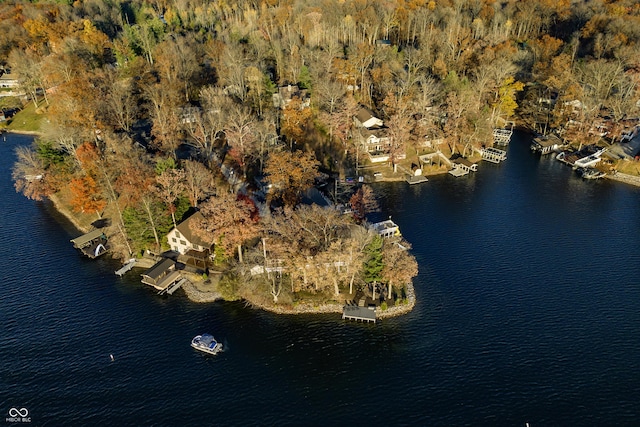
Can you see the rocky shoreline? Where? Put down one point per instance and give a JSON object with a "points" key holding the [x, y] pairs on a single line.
{"points": [[310, 308]]}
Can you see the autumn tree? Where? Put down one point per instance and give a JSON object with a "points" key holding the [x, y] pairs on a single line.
{"points": [[362, 202], [289, 174], [85, 195], [295, 120], [29, 174], [165, 116], [504, 103], [228, 220]]}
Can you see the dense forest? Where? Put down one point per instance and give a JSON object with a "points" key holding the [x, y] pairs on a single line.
{"points": [[237, 108]]}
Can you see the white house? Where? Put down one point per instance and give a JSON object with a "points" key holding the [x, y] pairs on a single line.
{"points": [[376, 143], [182, 239], [365, 118]]}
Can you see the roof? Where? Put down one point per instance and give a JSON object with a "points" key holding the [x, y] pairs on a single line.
{"points": [[463, 161], [159, 268], [81, 241], [378, 133], [185, 230], [547, 141], [355, 312], [364, 114]]}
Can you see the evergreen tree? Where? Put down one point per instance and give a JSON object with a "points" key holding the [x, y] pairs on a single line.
{"points": [[372, 267]]}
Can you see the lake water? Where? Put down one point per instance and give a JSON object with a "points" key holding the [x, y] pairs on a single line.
{"points": [[528, 312]]}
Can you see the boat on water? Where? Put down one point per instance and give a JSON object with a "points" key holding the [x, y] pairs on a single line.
{"points": [[206, 343]]}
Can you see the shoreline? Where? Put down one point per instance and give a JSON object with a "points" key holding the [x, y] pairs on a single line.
{"points": [[199, 296], [59, 206]]}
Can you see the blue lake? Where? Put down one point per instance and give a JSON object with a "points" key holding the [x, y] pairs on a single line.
{"points": [[528, 312]]}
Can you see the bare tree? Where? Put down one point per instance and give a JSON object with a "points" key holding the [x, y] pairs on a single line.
{"points": [[199, 181], [170, 186]]}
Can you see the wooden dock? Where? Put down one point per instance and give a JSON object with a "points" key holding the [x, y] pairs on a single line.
{"points": [[353, 312]]}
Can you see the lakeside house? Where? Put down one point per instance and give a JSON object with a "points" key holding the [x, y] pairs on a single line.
{"points": [[193, 249], [462, 166], [386, 228], [376, 143]]}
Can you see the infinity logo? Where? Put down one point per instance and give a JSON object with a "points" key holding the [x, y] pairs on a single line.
{"points": [[15, 412]]}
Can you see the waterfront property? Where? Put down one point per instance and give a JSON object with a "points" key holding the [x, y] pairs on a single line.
{"points": [[386, 228], [546, 144], [193, 250], [92, 244], [462, 166]]}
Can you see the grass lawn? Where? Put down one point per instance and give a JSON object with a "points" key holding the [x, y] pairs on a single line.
{"points": [[630, 167], [27, 120]]}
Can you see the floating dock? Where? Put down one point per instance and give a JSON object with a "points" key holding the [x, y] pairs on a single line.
{"points": [[126, 267], [411, 179], [366, 314]]}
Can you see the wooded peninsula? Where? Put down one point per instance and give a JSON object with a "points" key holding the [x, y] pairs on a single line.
{"points": [[254, 127]]}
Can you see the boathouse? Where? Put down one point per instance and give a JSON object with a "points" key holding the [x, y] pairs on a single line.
{"points": [[354, 312], [462, 166], [161, 275], [93, 244], [546, 144]]}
